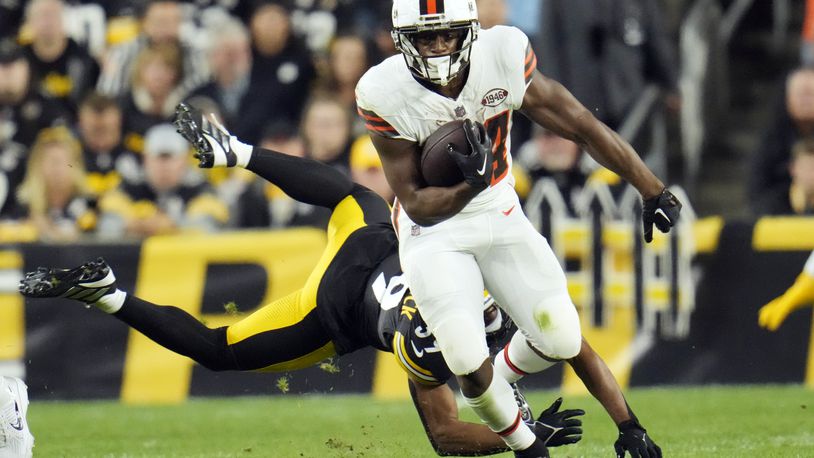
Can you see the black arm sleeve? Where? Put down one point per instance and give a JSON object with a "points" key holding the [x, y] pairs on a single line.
{"points": [[305, 180]]}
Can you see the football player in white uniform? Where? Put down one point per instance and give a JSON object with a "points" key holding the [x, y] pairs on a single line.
{"points": [[800, 294], [457, 240], [16, 440]]}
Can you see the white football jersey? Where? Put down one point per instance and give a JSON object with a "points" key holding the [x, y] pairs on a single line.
{"points": [[395, 105]]}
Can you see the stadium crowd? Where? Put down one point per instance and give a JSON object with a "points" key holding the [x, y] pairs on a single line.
{"points": [[87, 90]]}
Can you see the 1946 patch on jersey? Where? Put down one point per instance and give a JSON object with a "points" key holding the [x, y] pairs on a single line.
{"points": [[494, 97]]}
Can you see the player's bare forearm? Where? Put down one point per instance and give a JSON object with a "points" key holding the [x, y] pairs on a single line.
{"points": [[426, 205], [599, 380], [448, 435], [431, 205], [550, 105]]}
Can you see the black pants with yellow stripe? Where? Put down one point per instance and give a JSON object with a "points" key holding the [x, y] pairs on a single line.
{"points": [[287, 333]]}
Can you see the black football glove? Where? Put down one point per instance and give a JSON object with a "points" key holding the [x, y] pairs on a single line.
{"points": [[633, 439], [662, 211], [475, 164], [558, 428]]}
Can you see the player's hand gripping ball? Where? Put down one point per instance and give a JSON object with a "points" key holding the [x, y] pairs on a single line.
{"points": [[459, 150]]}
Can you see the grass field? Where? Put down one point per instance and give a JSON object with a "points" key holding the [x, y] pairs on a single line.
{"points": [[758, 421]]}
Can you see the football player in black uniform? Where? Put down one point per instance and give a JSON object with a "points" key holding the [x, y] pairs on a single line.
{"points": [[354, 298]]}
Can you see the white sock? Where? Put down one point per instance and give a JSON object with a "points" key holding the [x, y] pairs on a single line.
{"points": [[497, 408], [242, 150], [517, 360], [111, 303]]}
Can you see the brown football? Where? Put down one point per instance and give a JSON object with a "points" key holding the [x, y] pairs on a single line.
{"points": [[437, 166]]}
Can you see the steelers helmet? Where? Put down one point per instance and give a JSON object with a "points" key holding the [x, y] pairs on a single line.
{"points": [[411, 17]]}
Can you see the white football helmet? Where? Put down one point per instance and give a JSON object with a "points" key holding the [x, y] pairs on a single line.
{"points": [[414, 16]]}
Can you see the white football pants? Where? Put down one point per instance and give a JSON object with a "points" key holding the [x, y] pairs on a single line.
{"points": [[449, 264]]}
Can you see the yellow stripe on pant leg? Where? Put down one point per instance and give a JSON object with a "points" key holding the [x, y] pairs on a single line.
{"points": [[320, 354], [282, 313], [346, 218]]}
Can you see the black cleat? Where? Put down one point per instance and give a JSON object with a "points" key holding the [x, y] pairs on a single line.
{"points": [[87, 283], [209, 139]]}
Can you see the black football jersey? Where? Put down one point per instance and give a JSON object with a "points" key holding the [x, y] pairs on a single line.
{"points": [[401, 330]]}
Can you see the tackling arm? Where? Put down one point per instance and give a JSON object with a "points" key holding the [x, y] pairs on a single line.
{"points": [[600, 382], [425, 205], [596, 376], [550, 105], [448, 435]]}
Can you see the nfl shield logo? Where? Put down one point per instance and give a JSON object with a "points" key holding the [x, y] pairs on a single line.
{"points": [[415, 230], [460, 112]]}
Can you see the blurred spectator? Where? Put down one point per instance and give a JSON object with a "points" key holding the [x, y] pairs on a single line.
{"points": [[24, 111], [245, 105], [54, 194], [770, 179], [807, 45], [366, 168], [282, 63], [492, 13], [156, 90], [347, 62], [106, 160], [801, 192], [160, 24], [326, 131], [547, 156], [116, 8], [607, 51], [313, 20], [173, 196], [60, 67]]}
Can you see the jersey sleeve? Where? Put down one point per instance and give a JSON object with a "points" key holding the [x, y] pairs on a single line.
{"points": [[519, 61], [377, 107], [375, 124]]}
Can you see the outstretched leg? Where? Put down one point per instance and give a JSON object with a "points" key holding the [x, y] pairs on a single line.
{"points": [[304, 180], [258, 342]]}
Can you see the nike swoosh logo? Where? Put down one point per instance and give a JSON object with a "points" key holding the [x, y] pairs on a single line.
{"points": [[18, 425], [509, 211], [418, 353], [482, 170], [661, 212]]}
